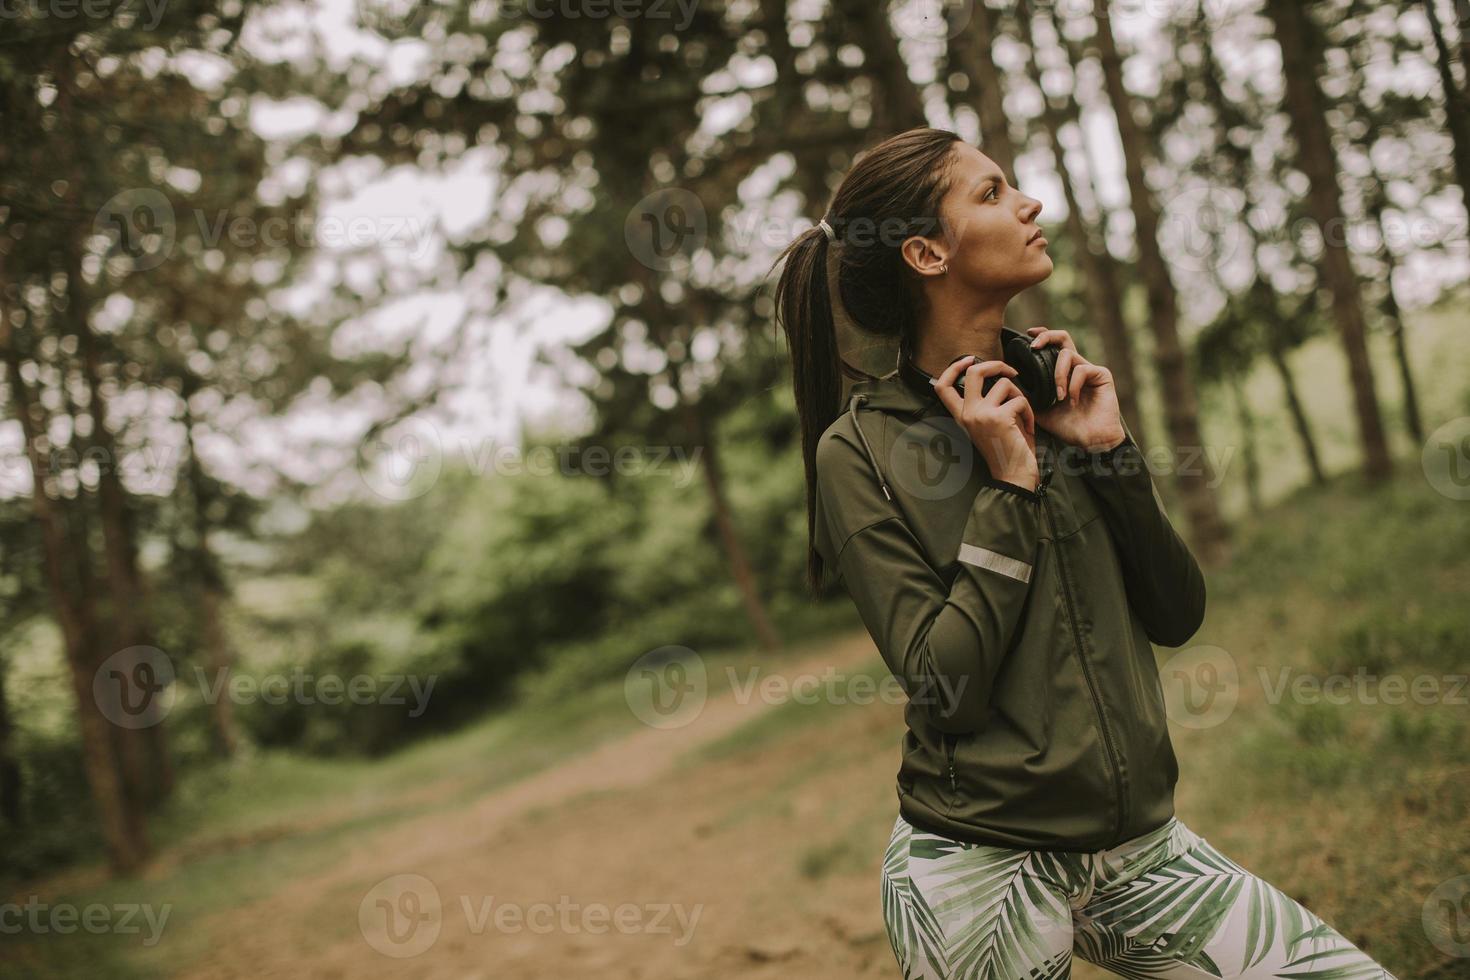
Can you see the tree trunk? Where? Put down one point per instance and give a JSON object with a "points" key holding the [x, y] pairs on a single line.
{"points": [[221, 659], [1181, 409], [121, 826], [10, 781], [740, 567], [147, 767], [1299, 420], [900, 105], [219, 653], [1462, 14], [1406, 372], [1393, 316], [1247, 422], [1301, 57], [1098, 270], [1456, 101]]}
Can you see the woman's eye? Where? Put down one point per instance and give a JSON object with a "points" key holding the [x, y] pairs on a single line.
{"points": [[995, 191]]}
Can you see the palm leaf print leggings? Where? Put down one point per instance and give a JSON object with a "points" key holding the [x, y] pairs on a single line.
{"points": [[1164, 904]]}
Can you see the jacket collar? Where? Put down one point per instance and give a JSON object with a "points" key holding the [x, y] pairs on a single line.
{"points": [[897, 391]]}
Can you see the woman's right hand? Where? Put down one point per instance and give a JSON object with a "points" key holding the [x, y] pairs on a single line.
{"points": [[1000, 423]]}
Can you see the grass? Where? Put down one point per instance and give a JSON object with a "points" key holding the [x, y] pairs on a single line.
{"points": [[1340, 600]]}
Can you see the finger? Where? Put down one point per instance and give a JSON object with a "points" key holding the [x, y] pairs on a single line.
{"points": [[1003, 391], [956, 367], [944, 385], [1082, 376], [1063, 373], [1043, 337], [976, 374], [1026, 416]]}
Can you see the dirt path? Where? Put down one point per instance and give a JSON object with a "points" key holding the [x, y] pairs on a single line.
{"points": [[618, 863]]}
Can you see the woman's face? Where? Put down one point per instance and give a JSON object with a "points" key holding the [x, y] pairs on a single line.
{"points": [[989, 230]]}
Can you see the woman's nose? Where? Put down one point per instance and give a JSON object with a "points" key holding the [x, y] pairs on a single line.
{"points": [[1031, 209]]}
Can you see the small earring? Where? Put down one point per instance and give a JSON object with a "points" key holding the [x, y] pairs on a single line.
{"points": [[943, 268]]}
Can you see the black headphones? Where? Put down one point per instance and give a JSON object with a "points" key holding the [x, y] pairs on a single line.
{"points": [[1036, 371]]}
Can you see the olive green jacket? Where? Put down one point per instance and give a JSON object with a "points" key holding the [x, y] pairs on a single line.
{"points": [[1018, 623]]}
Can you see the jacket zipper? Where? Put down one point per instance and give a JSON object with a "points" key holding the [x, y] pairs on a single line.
{"points": [[1082, 659], [950, 743]]}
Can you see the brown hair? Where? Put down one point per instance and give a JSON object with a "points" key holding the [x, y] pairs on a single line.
{"points": [[891, 192]]}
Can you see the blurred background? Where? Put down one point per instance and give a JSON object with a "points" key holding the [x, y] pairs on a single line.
{"points": [[401, 509]]}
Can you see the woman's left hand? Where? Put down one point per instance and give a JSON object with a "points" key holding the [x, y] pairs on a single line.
{"points": [[1089, 415]]}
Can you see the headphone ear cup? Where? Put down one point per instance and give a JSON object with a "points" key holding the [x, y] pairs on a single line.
{"points": [[1036, 370]]}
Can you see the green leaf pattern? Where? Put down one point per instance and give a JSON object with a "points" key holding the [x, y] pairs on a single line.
{"points": [[1166, 904]]}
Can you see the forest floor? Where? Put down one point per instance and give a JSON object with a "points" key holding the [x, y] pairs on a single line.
{"points": [[573, 840]]}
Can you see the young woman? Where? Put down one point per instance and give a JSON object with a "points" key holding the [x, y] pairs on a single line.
{"points": [[1014, 567]]}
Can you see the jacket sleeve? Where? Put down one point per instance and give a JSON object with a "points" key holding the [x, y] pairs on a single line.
{"points": [[1164, 584], [943, 643]]}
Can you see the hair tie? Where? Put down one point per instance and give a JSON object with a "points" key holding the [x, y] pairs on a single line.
{"points": [[827, 230]]}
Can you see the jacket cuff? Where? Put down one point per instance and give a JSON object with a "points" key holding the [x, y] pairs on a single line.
{"points": [[1014, 488], [1123, 460]]}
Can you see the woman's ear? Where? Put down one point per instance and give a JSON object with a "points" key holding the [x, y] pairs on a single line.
{"points": [[924, 256]]}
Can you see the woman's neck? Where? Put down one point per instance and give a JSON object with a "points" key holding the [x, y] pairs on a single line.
{"points": [[944, 338]]}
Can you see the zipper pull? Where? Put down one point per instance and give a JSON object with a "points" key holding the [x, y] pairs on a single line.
{"points": [[1045, 479], [953, 786]]}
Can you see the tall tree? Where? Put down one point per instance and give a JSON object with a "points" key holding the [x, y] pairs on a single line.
{"points": [[1231, 161], [1302, 61], [902, 104], [1456, 99], [121, 826], [1098, 273], [1195, 482], [1387, 115]]}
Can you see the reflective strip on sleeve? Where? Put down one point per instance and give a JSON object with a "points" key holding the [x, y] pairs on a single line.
{"points": [[996, 562]]}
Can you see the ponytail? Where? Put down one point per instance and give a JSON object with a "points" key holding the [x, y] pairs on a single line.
{"points": [[897, 184], [804, 309]]}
